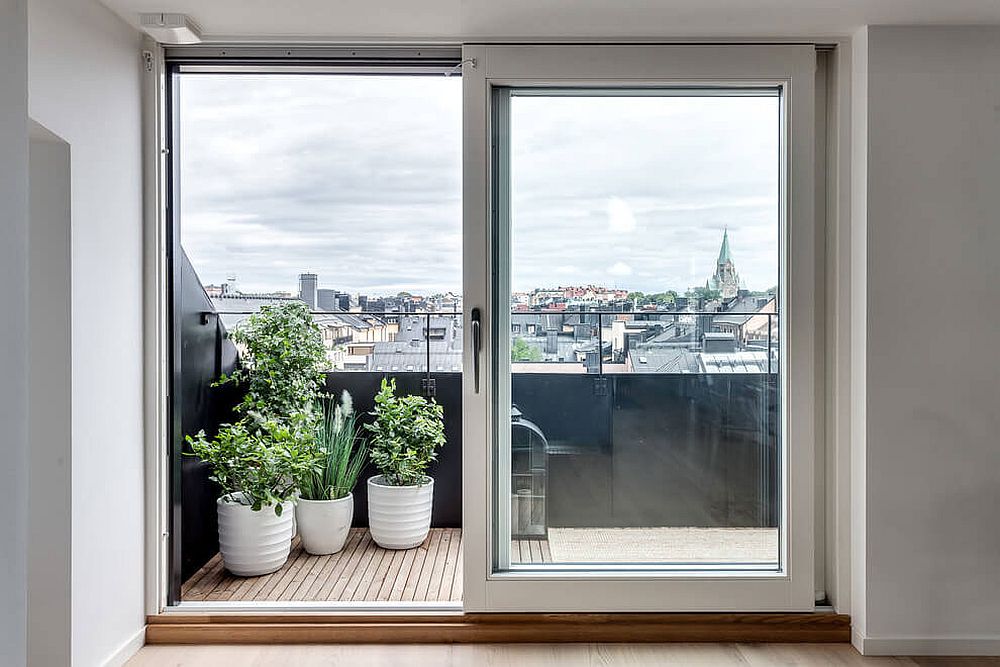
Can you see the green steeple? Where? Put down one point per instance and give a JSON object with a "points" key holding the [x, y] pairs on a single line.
{"points": [[724, 255]]}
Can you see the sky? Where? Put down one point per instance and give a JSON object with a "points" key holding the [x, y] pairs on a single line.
{"points": [[358, 179]]}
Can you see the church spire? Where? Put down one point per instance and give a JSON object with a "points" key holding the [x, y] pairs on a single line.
{"points": [[725, 280], [724, 250]]}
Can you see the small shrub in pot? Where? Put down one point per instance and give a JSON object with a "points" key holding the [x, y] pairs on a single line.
{"points": [[256, 466], [406, 433]]}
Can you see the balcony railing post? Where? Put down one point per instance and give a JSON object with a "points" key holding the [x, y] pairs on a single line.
{"points": [[600, 343], [430, 388], [769, 321]]}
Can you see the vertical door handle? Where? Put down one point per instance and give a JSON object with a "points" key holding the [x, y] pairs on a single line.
{"points": [[477, 345]]}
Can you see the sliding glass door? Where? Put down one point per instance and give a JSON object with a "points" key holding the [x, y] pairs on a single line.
{"points": [[638, 277]]}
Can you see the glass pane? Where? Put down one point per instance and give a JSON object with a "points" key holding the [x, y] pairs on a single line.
{"points": [[342, 191], [644, 348], [340, 195]]}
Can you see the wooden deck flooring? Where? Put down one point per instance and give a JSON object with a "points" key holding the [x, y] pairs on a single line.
{"points": [[361, 572]]}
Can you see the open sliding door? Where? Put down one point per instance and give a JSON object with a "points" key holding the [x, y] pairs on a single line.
{"points": [[639, 283]]}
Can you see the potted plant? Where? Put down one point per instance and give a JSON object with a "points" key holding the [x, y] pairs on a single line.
{"points": [[259, 459], [256, 465], [406, 433], [325, 506]]}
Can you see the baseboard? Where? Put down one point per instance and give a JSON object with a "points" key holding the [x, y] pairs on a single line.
{"points": [[495, 628], [127, 650], [933, 646]]}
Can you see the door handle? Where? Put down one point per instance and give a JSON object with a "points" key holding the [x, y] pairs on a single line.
{"points": [[477, 345]]}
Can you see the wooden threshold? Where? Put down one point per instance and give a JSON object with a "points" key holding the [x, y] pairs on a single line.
{"points": [[436, 628]]}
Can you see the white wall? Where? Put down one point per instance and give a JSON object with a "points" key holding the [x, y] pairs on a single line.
{"points": [[13, 330], [84, 76], [931, 485], [49, 400]]}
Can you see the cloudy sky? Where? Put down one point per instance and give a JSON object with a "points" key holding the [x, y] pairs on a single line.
{"points": [[358, 179]]}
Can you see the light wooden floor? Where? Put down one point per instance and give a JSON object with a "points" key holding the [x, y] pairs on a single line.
{"points": [[361, 572], [533, 655]]}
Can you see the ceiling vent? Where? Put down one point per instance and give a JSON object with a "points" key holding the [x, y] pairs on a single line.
{"points": [[170, 28]]}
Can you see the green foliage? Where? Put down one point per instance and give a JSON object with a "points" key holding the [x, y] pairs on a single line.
{"points": [[260, 461], [659, 298], [265, 454], [522, 351], [664, 298], [706, 293], [342, 453], [282, 361], [406, 433]]}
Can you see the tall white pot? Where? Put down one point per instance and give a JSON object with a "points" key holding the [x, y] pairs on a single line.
{"points": [[254, 543], [399, 517], [324, 524]]}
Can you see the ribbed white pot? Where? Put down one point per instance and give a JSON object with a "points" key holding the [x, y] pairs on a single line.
{"points": [[254, 543], [324, 524], [399, 517]]}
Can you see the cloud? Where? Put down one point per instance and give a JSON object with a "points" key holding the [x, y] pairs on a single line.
{"points": [[359, 179], [620, 217], [355, 178], [619, 269]]}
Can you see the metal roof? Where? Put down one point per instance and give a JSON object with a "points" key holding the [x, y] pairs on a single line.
{"points": [[649, 359], [406, 357], [737, 362]]}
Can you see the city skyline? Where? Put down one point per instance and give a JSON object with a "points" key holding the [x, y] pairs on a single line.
{"points": [[724, 253], [291, 289]]}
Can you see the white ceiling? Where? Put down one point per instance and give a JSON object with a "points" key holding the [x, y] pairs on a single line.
{"points": [[458, 20]]}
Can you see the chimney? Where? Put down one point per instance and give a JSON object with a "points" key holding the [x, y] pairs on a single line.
{"points": [[551, 342]]}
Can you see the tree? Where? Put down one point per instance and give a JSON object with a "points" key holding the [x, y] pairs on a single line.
{"points": [[664, 298], [522, 351], [706, 293]]}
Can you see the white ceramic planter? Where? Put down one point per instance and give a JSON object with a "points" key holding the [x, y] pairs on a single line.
{"points": [[399, 517], [254, 543], [324, 524]]}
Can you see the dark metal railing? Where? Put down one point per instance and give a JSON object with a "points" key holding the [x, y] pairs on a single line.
{"points": [[456, 315], [654, 314]]}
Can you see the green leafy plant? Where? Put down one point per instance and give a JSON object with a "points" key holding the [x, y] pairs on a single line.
{"points": [[406, 433], [342, 453], [258, 464], [281, 361], [520, 350]]}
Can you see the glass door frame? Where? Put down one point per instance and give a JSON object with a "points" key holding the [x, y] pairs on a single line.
{"points": [[789, 68]]}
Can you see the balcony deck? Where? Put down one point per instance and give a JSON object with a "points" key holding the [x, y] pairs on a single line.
{"points": [[432, 572], [361, 572]]}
